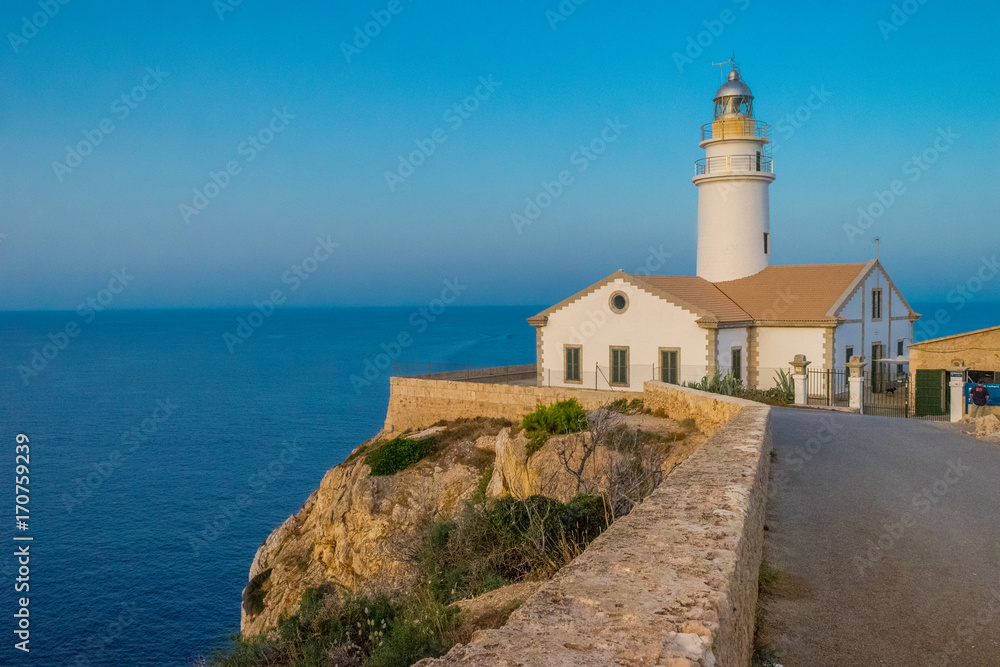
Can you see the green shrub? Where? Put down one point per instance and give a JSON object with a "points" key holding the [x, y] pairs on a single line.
{"points": [[562, 417], [256, 651], [689, 423], [398, 454], [253, 597], [506, 540]]}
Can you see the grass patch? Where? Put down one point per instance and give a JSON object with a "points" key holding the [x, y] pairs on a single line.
{"points": [[625, 406], [355, 632], [469, 429], [763, 655], [479, 495], [398, 454], [507, 540]]}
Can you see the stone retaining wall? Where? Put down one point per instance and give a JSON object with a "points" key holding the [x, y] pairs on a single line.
{"points": [[491, 374], [416, 403], [709, 411], [674, 583]]}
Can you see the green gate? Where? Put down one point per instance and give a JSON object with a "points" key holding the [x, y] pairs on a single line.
{"points": [[931, 392]]}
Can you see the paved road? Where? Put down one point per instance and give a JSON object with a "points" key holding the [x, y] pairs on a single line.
{"points": [[887, 535]]}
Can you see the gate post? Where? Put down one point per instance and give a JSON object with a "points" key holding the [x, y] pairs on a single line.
{"points": [[856, 382], [799, 365], [957, 384]]}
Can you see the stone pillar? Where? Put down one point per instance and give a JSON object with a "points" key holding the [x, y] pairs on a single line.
{"points": [[856, 382], [957, 384], [799, 365]]}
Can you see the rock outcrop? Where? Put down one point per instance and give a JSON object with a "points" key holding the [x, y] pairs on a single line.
{"points": [[359, 533]]}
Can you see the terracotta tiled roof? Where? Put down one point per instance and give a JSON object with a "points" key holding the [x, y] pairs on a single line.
{"points": [[698, 292], [788, 293], [794, 292]]}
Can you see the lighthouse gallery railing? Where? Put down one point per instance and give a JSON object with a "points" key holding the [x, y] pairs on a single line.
{"points": [[725, 164]]}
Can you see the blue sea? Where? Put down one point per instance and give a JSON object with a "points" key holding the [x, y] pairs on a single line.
{"points": [[160, 459]]}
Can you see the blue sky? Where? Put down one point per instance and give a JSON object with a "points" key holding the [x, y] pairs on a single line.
{"points": [[886, 96]]}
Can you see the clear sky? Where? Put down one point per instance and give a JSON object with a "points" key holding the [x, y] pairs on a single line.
{"points": [[886, 93]]}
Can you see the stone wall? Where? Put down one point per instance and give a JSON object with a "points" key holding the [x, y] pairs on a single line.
{"points": [[502, 374], [709, 411], [674, 583], [416, 403]]}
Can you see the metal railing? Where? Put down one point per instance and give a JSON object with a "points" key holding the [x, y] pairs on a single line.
{"points": [[735, 128], [728, 164]]}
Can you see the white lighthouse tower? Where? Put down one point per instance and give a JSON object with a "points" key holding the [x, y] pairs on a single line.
{"points": [[733, 178]]}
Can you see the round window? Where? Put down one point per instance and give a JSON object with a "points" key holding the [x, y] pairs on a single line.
{"points": [[619, 302]]}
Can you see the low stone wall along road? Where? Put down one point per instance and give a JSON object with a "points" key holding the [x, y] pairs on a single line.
{"points": [[886, 537]]}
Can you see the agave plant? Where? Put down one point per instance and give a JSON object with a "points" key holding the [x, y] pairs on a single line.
{"points": [[727, 385], [784, 385]]}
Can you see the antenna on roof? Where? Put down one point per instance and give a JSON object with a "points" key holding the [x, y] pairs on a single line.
{"points": [[878, 249], [731, 62]]}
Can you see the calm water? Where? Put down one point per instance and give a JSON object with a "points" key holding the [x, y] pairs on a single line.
{"points": [[143, 540], [127, 567]]}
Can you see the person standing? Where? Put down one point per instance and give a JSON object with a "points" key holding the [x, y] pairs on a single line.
{"points": [[980, 396]]}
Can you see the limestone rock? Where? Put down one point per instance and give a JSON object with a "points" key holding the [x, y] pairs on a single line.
{"points": [[549, 470], [358, 531]]}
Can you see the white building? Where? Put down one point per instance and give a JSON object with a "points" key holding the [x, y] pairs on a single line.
{"points": [[739, 315]]}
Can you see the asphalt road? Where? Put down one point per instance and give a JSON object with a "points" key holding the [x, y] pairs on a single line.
{"points": [[886, 535]]}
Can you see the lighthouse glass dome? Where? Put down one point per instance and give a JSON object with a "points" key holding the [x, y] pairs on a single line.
{"points": [[734, 99]]}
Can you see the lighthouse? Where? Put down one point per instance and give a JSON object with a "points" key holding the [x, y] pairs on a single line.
{"points": [[733, 178]]}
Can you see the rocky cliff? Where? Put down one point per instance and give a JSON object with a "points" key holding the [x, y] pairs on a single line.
{"points": [[359, 532]]}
